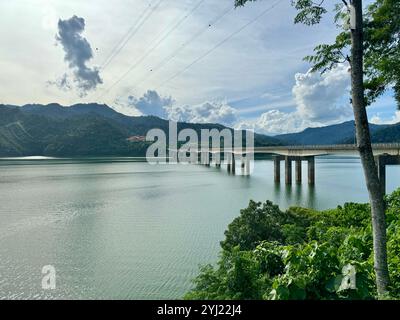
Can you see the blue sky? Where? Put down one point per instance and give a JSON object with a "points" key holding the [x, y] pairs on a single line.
{"points": [[254, 79]]}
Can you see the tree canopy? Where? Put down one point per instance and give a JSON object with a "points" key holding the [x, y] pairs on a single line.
{"points": [[305, 258], [381, 42]]}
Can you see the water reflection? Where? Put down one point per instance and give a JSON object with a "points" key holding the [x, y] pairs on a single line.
{"points": [[295, 195]]}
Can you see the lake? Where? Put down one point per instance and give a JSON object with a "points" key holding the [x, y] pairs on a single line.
{"points": [[123, 229]]}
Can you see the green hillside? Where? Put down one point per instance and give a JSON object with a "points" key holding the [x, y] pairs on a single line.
{"points": [[82, 130]]}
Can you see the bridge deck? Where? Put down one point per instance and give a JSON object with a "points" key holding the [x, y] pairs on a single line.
{"points": [[315, 150]]}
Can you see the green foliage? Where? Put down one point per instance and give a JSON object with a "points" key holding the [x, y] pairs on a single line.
{"points": [[382, 48], [310, 12], [300, 254], [266, 222], [381, 42], [83, 130], [328, 56], [256, 223]]}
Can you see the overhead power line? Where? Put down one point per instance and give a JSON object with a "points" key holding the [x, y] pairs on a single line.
{"points": [[220, 43], [125, 36], [152, 48], [144, 16], [166, 60]]}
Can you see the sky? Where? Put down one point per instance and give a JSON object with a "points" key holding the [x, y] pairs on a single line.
{"points": [[186, 60]]}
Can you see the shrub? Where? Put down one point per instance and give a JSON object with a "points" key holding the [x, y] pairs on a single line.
{"points": [[300, 254]]}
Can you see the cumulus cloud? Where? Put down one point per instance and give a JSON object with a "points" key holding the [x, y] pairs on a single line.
{"points": [[150, 104], [78, 53], [320, 97], [377, 119], [319, 100], [207, 112], [276, 122]]}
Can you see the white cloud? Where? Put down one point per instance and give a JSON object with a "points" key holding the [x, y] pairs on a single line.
{"points": [[320, 97], [377, 119], [151, 103], [266, 53], [320, 100], [275, 122], [207, 112]]}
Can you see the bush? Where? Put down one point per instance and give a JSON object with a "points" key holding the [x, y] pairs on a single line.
{"points": [[300, 254]]}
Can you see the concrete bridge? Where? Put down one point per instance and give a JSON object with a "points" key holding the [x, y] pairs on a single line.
{"points": [[320, 150], [385, 154]]}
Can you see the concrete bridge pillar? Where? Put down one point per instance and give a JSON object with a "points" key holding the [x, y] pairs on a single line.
{"points": [[245, 164], [233, 163], [205, 158], [277, 169], [381, 162], [382, 174], [381, 166], [311, 170], [298, 170], [198, 158], [288, 170], [218, 162]]}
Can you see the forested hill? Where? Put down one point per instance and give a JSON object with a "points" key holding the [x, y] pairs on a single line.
{"points": [[82, 130], [98, 130], [385, 134], [337, 134]]}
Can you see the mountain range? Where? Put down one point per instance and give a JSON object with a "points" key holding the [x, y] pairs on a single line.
{"points": [[343, 133], [98, 130], [83, 130]]}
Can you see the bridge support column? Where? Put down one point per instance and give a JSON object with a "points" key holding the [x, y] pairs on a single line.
{"points": [[381, 166], [233, 163], [277, 168], [198, 158], [311, 170], [381, 162], [218, 163], [205, 158], [229, 163], [288, 170], [298, 170], [245, 164]]}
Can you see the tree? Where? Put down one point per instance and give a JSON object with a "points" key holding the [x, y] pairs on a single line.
{"points": [[313, 257], [374, 60]]}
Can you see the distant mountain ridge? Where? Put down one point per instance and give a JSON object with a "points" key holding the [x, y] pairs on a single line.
{"points": [[82, 130], [342, 133], [98, 130]]}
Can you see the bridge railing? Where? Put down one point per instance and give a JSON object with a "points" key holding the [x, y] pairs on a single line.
{"points": [[344, 147], [332, 147]]}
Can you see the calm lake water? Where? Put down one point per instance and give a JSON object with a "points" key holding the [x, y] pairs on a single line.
{"points": [[123, 229]]}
